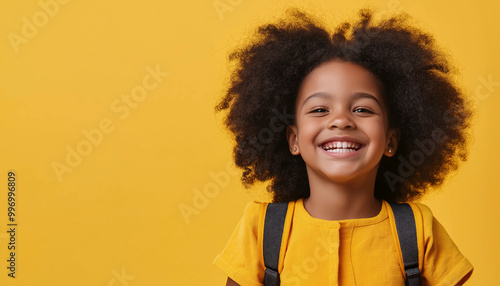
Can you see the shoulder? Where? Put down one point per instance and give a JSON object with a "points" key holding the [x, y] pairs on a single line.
{"points": [[253, 214], [424, 209], [432, 230], [254, 207], [255, 211], [442, 261], [424, 217], [241, 257], [426, 222]]}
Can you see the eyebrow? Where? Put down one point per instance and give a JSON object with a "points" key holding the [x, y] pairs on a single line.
{"points": [[327, 95]]}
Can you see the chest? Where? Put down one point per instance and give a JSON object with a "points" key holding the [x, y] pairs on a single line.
{"points": [[364, 255]]}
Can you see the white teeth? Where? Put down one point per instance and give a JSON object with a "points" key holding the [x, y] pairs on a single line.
{"points": [[341, 147], [340, 150]]}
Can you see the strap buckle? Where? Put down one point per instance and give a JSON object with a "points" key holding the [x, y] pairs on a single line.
{"points": [[271, 277], [413, 277]]}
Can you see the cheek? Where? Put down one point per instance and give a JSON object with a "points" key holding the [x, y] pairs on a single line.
{"points": [[377, 132], [308, 130]]}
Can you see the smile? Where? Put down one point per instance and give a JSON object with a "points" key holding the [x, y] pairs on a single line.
{"points": [[341, 147]]}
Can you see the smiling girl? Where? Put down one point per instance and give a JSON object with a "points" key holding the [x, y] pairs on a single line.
{"points": [[377, 120]]}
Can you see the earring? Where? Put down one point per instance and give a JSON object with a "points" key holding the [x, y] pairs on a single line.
{"points": [[294, 149], [390, 150]]}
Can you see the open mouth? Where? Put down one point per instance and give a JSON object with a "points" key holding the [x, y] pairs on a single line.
{"points": [[341, 146]]}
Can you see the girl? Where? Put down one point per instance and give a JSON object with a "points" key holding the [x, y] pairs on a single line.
{"points": [[342, 125]]}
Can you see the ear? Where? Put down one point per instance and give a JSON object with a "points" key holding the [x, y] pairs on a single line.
{"points": [[293, 142], [392, 142]]}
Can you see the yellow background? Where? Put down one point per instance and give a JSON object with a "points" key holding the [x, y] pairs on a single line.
{"points": [[114, 217]]}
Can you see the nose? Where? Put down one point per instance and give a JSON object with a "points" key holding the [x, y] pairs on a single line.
{"points": [[341, 120]]}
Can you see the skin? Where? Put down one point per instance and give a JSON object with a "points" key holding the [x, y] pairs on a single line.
{"points": [[341, 187], [347, 101], [339, 98], [230, 282]]}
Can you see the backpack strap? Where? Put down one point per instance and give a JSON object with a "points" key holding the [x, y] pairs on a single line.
{"points": [[407, 235], [277, 222], [273, 234]]}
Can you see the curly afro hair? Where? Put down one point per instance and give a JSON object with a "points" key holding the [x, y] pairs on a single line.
{"points": [[423, 101]]}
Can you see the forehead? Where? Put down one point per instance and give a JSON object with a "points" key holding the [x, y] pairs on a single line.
{"points": [[339, 77]]}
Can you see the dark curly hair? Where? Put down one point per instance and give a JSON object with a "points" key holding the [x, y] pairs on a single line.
{"points": [[423, 100]]}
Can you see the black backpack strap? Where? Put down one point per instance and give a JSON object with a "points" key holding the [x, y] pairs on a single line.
{"points": [[407, 234], [273, 233]]}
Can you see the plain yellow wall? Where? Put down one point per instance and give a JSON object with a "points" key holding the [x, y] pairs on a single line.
{"points": [[106, 116]]}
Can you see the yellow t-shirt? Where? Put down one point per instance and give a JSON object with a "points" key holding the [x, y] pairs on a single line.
{"points": [[345, 252]]}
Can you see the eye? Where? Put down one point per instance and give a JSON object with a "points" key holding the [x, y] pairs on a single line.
{"points": [[318, 110], [362, 110]]}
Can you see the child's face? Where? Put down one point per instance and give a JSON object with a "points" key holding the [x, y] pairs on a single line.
{"points": [[340, 107]]}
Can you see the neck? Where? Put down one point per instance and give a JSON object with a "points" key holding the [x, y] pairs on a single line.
{"points": [[342, 200]]}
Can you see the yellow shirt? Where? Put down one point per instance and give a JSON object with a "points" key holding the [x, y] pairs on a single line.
{"points": [[346, 252]]}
